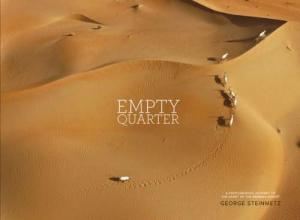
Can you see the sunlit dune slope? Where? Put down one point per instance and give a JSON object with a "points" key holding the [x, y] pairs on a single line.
{"points": [[268, 78], [69, 129], [287, 10]]}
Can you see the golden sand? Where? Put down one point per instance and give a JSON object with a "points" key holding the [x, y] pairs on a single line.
{"points": [[64, 65]]}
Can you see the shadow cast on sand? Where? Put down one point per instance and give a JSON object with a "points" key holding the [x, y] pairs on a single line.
{"points": [[213, 59], [242, 40], [115, 179], [221, 121], [217, 79]]}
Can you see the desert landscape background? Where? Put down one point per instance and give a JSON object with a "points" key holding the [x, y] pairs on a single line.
{"points": [[65, 63]]}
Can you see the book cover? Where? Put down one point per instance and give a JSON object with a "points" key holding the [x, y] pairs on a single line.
{"points": [[150, 110]]}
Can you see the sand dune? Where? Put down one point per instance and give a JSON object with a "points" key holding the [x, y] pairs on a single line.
{"points": [[72, 43], [63, 68], [87, 138], [275, 9], [280, 83]]}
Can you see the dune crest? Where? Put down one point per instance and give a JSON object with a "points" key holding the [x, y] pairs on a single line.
{"points": [[274, 9], [77, 43]]}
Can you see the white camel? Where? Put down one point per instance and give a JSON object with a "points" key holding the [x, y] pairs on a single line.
{"points": [[262, 35], [231, 94], [223, 80], [229, 121], [223, 57], [233, 102], [123, 178]]}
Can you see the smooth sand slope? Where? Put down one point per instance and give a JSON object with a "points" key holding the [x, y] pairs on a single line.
{"points": [[277, 99], [287, 10], [64, 69], [67, 144]]}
